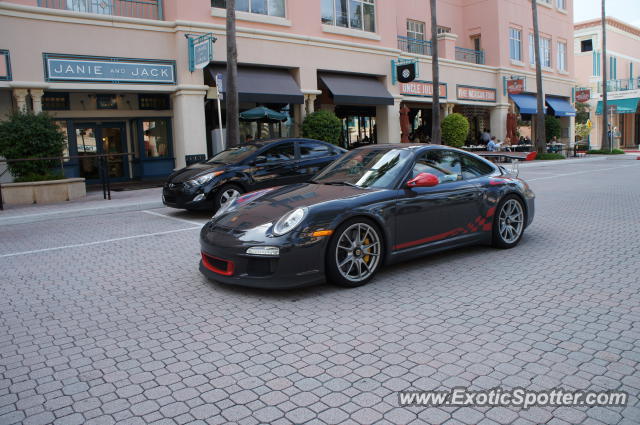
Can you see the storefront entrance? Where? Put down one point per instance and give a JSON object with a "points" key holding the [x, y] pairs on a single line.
{"points": [[92, 139]]}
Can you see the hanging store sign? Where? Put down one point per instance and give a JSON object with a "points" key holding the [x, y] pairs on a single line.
{"points": [[200, 50], [422, 89], [95, 69], [406, 72], [515, 86], [583, 95], [480, 94]]}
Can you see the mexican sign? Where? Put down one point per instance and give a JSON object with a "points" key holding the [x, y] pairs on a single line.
{"points": [[422, 89], [200, 51], [108, 70], [481, 94], [515, 86], [583, 95]]}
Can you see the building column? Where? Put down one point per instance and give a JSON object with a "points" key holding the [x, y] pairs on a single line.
{"points": [[310, 102], [498, 121], [189, 128], [36, 98], [21, 99], [388, 122], [572, 131]]}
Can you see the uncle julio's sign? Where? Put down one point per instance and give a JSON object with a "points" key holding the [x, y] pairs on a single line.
{"points": [[108, 70]]}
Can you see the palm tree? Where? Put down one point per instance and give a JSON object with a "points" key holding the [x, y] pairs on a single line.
{"points": [[606, 140], [540, 141], [231, 94], [435, 71]]}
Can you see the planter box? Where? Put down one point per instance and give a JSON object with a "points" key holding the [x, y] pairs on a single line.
{"points": [[44, 192]]}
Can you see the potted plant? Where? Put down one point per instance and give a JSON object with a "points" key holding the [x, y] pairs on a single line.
{"points": [[25, 135]]}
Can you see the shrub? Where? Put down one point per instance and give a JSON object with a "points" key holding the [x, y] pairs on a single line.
{"points": [[27, 135], [455, 129], [322, 125], [552, 127], [606, 152], [548, 156]]}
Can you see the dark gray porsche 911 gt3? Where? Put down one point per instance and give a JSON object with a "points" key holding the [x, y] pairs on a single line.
{"points": [[375, 205]]}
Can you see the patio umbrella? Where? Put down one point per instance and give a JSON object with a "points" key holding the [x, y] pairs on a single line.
{"points": [[263, 114]]}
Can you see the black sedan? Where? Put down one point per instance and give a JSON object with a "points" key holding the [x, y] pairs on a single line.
{"points": [[375, 205], [210, 185]]}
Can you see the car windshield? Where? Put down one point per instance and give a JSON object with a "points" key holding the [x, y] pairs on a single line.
{"points": [[233, 155], [370, 167]]}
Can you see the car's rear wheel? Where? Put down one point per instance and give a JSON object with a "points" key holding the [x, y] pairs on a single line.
{"points": [[355, 253], [225, 195], [508, 223]]}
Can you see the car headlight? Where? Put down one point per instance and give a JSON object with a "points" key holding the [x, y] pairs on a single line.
{"points": [[289, 221], [205, 178]]}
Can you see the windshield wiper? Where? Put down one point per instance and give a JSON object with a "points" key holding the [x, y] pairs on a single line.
{"points": [[337, 183]]}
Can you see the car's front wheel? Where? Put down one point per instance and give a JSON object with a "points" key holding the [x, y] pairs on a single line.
{"points": [[226, 194], [355, 253], [508, 223]]}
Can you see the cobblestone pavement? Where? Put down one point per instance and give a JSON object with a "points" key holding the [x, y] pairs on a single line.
{"points": [[106, 319]]}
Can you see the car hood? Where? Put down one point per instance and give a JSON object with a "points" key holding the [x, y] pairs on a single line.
{"points": [[267, 206], [193, 171]]}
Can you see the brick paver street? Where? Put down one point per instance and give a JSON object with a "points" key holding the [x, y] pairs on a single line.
{"points": [[106, 319]]}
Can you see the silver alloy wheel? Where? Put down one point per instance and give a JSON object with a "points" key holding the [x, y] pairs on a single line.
{"points": [[358, 252], [227, 196], [511, 221]]}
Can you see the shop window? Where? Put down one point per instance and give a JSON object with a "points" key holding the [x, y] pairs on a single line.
{"points": [[356, 14], [545, 52], [54, 101], [415, 29], [261, 7], [158, 102], [515, 44], [562, 56], [155, 136], [62, 128], [586, 45], [106, 101]]}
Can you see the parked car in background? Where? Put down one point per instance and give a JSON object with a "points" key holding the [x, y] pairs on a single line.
{"points": [[375, 205], [252, 166]]}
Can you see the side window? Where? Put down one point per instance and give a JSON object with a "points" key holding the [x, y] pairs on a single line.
{"points": [[313, 150], [279, 153], [473, 167], [443, 164]]}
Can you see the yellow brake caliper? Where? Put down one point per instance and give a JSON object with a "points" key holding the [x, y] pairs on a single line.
{"points": [[367, 257]]}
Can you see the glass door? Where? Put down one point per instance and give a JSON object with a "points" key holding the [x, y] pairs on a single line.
{"points": [[101, 139]]}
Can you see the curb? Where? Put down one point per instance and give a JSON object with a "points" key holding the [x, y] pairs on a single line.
{"points": [[79, 212], [541, 163]]}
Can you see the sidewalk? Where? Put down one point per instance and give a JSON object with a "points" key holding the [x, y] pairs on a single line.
{"points": [[93, 204]]}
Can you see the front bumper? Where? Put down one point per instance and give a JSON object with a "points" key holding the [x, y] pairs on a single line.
{"points": [[224, 259], [180, 196]]}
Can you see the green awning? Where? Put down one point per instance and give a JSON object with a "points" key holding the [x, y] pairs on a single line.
{"points": [[262, 113], [624, 106]]}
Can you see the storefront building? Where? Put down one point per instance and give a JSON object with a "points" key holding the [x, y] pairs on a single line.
{"points": [[623, 78], [120, 79]]}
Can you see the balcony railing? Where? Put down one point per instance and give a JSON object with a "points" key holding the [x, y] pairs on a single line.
{"points": [[468, 55], [621, 85], [145, 9], [413, 45]]}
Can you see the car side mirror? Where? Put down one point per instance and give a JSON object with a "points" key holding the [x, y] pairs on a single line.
{"points": [[423, 180]]}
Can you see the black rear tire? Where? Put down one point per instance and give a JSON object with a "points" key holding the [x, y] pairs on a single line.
{"points": [[358, 245]]}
